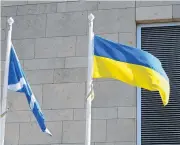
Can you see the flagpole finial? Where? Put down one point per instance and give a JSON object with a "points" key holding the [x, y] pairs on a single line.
{"points": [[91, 17], [10, 21]]}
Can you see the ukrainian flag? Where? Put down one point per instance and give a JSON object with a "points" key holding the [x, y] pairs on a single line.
{"points": [[129, 65]]}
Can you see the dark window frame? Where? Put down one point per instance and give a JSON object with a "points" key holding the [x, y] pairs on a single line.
{"points": [[138, 92]]}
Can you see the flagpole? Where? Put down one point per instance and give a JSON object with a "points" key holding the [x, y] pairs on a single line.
{"points": [[5, 87], [89, 81]]}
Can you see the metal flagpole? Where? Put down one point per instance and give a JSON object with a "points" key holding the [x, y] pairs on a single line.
{"points": [[5, 87], [89, 89]]}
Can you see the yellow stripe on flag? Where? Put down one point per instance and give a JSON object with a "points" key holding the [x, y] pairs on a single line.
{"points": [[132, 74]]}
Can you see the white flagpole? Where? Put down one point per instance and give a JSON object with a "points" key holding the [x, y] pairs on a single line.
{"points": [[5, 87], [89, 81]]}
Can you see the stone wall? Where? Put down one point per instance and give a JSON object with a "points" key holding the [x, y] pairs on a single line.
{"points": [[51, 41]]}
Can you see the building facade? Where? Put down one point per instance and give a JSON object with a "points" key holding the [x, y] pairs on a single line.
{"points": [[51, 41]]}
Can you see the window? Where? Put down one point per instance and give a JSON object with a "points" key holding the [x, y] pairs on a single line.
{"points": [[158, 125]]}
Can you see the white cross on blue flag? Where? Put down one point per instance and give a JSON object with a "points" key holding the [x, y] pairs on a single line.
{"points": [[18, 83]]}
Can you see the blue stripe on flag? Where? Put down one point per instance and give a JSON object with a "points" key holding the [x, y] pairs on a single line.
{"points": [[18, 83]]}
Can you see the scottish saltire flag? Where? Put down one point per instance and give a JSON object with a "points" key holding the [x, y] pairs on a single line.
{"points": [[130, 65], [18, 83]]}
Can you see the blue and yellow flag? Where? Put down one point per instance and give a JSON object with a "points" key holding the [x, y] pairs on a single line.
{"points": [[129, 65]]}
